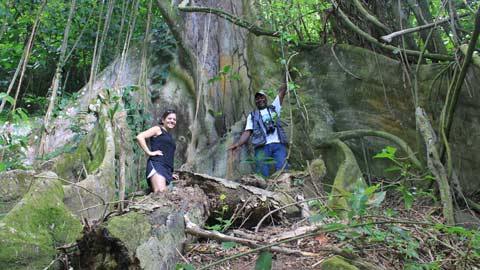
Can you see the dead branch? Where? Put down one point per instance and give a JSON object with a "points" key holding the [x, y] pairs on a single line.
{"points": [[388, 38], [192, 228]]}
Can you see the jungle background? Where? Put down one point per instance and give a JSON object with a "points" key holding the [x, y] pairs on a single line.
{"points": [[381, 111]]}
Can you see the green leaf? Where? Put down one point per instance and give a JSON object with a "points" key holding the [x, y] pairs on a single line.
{"points": [[264, 262], [235, 77], [228, 245], [226, 69], [214, 79], [388, 152], [407, 197], [393, 169], [370, 190], [3, 167], [23, 114], [216, 227], [7, 98], [182, 266], [429, 177]]}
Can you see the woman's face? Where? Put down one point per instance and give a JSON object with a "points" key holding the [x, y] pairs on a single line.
{"points": [[170, 121]]}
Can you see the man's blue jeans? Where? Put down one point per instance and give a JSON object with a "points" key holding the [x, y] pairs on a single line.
{"points": [[268, 155]]}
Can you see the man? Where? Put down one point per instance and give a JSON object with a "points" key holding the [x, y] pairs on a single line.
{"points": [[268, 135]]}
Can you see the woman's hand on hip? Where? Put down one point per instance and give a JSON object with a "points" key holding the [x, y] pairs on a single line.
{"points": [[156, 153]]}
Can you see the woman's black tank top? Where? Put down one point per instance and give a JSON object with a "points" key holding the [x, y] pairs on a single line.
{"points": [[166, 144]]}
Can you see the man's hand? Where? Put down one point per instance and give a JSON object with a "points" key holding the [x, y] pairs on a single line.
{"points": [[233, 147], [175, 176]]}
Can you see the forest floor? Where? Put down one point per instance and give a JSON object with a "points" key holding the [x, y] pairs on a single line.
{"points": [[427, 246]]}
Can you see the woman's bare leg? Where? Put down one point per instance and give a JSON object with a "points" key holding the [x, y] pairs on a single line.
{"points": [[159, 183]]}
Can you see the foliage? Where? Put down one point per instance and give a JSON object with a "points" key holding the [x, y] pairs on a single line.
{"points": [[13, 145], [389, 154], [313, 21], [137, 121], [17, 18], [405, 173], [223, 223], [260, 158], [299, 20], [225, 74], [264, 261]]}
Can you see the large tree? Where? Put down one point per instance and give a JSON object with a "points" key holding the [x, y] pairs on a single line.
{"points": [[395, 60]]}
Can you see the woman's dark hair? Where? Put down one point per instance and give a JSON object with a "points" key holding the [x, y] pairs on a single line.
{"points": [[165, 114]]}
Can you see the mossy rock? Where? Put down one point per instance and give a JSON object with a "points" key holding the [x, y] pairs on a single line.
{"points": [[38, 224], [337, 263], [13, 185], [132, 229], [89, 153]]}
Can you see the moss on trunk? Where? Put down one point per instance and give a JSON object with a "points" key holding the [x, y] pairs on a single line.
{"points": [[38, 224]]}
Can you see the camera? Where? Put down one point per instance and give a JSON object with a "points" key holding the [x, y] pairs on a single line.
{"points": [[269, 126]]}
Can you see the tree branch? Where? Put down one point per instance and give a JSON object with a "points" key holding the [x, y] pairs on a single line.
{"points": [[350, 134], [252, 28], [434, 164], [388, 38], [374, 41], [369, 16]]}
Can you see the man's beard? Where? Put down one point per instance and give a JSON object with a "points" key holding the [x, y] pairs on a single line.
{"points": [[261, 105]]}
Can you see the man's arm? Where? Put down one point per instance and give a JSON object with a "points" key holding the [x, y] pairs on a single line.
{"points": [[243, 139], [281, 92]]}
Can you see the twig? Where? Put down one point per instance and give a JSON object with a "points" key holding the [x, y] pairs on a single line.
{"points": [[74, 184], [353, 258], [183, 258], [193, 228]]}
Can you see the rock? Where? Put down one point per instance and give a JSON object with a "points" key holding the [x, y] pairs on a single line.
{"points": [[36, 226]]}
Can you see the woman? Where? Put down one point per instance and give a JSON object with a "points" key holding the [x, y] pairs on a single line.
{"points": [[161, 151]]}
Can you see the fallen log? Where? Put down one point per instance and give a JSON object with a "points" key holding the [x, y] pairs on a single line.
{"points": [[245, 203]]}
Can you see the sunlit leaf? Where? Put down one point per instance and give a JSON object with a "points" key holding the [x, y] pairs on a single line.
{"points": [[3, 167], [264, 261], [184, 267]]}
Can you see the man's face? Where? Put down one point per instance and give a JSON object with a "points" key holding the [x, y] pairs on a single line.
{"points": [[261, 101]]}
